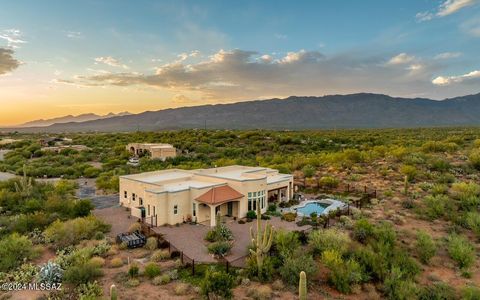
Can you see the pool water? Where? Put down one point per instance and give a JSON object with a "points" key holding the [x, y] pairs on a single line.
{"points": [[312, 207]]}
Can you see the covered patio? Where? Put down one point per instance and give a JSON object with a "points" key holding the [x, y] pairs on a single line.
{"points": [[222, 200]]}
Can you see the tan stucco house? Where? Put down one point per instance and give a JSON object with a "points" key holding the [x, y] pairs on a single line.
{"points": [[173, 196], [156, 151]]}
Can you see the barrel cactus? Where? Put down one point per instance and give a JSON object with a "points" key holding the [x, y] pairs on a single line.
{"points": [[50, 273], [302, 286]]}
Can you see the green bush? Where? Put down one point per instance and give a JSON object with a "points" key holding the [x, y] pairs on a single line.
{"points": [[14, 249], [160, 255], [82, 273], [363, 230], [285, 242], [439, 290], [152, 243], [470, 292], [217, 284], [89, 291], [409, 171], [329, 239], [71, 232], [474, 158], [251, 214], [461, 251], [425, 246], [398, 288], [472, 219], [152, 270], [133, 270], [220, 248], [219, 233], [292, 266], [162, 279], [436, 206], [328, 182]]}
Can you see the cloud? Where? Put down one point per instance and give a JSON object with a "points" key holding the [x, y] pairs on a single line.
{"points": [[446, 8], [232, 75], [181, 99], [108, 60], [13, 37], [400, 59], [472, 77], [448, 55], [471, 27], [73, 34], [7, 62]]}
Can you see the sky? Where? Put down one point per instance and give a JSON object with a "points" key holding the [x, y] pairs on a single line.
{"points": [[72, 57]]}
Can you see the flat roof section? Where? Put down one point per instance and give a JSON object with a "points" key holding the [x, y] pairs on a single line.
{"points": [[157, 177]]}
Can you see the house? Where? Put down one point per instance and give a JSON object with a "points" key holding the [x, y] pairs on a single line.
{"points": [[54, 141], [173, 196], [156, 151]]}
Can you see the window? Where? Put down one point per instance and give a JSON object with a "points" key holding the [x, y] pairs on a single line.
{"points": [[154, 210], [125, 194], [194, 210], [141, 200], [252, 200], [175, 209], [148, 209], [133, 196]]}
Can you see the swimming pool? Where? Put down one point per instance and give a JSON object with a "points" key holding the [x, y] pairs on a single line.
{"points": [[312, 207], [321, 207]]}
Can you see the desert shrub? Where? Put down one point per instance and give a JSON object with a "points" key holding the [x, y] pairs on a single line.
{"points": [[439, 189], [14, 249], [398, 288], [162, 279], [329, 239], [89, 291], [474, 158], [219, 233], [267, 270], [99, 235], [217, 284], [132, 282], [160, 255], [425, 246], [470, 292], [181, 289], [133, 270], [262, 292], [308, 171], [71, 232], [134, 227], [116, 262], [463, 190], [461, 251], [435, 206], [82, 273], [220, 248], [286, 242], [152, 270], [152, 243], [439, 146], [23, 274], [409, 171], [363, 230], [437, 291], [289, 217], [472, 219], [82, 208], [292, 266], [97, 261], [328, 182], [343, 274]]}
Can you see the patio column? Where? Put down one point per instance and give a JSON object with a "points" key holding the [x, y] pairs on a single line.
{"points": [[279, 195], [213, 216]]}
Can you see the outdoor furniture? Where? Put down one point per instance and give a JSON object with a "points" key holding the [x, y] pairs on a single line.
{"points": [[133, 240]]}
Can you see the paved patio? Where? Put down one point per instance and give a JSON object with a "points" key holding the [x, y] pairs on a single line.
{"points": [[189, 238]]}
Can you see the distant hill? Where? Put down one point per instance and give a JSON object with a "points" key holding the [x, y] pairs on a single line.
{"points": [[337, 111], [70, 118]]}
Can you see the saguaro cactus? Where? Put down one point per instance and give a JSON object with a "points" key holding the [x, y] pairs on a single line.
{"points": [[261, 240], [405, 184], [113, 292], [302, 286]]}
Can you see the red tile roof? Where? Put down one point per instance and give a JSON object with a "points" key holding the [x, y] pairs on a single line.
{"points": [[219, 195]]}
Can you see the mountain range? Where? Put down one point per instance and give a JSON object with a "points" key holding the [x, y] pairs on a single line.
{"points": [[362, 110], [70, 118]]}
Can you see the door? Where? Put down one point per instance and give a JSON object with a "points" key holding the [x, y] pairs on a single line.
{"points": [[230, 209]]}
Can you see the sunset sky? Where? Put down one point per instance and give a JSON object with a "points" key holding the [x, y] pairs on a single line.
{"points": [[73, 57]]}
